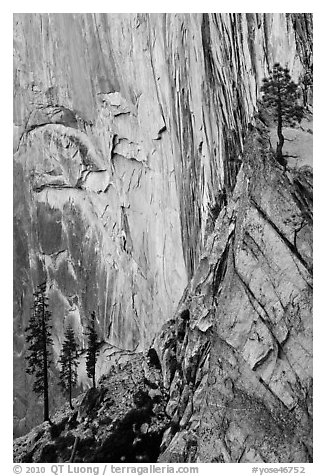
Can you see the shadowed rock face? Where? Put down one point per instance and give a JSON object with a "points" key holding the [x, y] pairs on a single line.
{"points": [[128, 139]]}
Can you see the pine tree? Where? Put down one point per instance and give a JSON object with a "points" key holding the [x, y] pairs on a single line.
{"points": [[39, 340], [280, 96], [69, 362], [92, 349]]}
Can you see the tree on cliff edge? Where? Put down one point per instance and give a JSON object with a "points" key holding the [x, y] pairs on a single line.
{"points": [[92, 349], [39, 346], [280, 96], [69, 362]]}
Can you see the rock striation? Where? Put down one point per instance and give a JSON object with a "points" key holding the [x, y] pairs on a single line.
{"points": [[128, 142], [229, 378], [237, 358]]}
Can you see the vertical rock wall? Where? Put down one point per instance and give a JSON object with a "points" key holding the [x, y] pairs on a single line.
{"points": [[128, 132], [237, 358]]}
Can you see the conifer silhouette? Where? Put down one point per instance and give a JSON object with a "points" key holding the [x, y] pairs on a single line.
{"points": [[69, 362], [39, 344], [92, 349], [280, 95]]}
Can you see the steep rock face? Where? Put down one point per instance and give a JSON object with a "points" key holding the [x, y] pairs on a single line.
{"points": [[128, 138], [229, 379], [237, 359]]}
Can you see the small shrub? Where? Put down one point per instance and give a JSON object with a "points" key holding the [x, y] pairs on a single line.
{"points": [[57, 428], [48, 454], [28, 457], [154, 361], [142, 399]]}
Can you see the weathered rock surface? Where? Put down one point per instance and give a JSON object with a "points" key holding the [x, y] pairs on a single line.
{"points": [[129, 132], [241, 377], [229, 379]]}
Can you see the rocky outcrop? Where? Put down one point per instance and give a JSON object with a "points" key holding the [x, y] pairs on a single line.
{"points": [[237, 358], [129, 132], [122, 420]]}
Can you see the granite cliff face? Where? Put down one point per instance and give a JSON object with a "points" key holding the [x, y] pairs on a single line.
{"points": [[128, 143], [237, 357]]}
